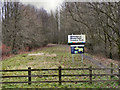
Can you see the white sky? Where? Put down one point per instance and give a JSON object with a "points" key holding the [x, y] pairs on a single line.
{"points": [[46, 4], [53, 4]]}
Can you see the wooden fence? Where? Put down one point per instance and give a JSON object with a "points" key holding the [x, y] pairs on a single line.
{"points": [[60, 75]]}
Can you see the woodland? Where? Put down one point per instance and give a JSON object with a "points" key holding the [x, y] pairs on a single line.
{"points": [[25, 27]]}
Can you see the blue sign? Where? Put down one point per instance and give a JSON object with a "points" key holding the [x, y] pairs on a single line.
{"points": [[77, 50]]}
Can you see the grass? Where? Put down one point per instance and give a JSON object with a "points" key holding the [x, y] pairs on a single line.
{"points": [[63, 59]]}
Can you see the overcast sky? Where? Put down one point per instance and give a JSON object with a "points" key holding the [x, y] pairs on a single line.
{"points": [[46, 4], [53, 4]]}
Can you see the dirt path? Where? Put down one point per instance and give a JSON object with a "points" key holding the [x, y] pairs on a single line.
{"points": [[96, 62], [99, 63]]}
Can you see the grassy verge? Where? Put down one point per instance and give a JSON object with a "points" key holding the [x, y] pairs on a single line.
{"points": [[63, 58]]}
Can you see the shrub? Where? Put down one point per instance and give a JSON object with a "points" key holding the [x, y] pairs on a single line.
{"points": [[5, 50]]}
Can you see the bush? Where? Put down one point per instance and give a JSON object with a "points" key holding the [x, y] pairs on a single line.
{"points": [[5, 50]]}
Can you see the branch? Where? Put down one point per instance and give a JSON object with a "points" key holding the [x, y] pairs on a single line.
{"points": [[98, 9], [77, 19]]}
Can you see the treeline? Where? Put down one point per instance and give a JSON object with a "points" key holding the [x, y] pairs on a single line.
{"points": [[25, 26], [98, 21]]}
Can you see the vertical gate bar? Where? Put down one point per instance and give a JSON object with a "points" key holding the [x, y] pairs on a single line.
{"points": [[90, 73], [112, 70], [119, 75], [29, 75], [60, 75]]}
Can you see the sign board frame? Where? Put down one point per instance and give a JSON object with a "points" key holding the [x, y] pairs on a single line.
{"points": [[77, 49], [76, 39]]}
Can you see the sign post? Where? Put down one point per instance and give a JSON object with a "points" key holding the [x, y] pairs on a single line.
{"points": [[72, 58], [82, 58], [77, 45]]}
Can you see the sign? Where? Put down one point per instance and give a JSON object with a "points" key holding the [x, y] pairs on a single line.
{"points": [[77, 45], [76, 39], [77, 49]]}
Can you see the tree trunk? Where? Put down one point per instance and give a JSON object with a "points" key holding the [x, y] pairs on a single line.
{"points": [[119, 30]]}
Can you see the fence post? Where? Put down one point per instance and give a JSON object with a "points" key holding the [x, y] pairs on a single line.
{"points": [[59, 75], [112, 70], [29, 75], [90, 73], [119, 74]]}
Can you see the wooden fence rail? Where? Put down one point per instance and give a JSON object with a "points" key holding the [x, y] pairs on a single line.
{"points": [[60, 75]]}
